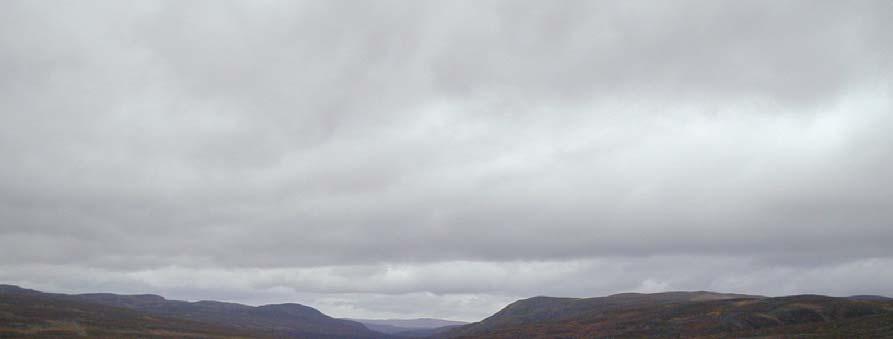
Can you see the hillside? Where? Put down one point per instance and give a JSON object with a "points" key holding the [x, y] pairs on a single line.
{"points": [[29, 313], [25, 311], [687, 314]]}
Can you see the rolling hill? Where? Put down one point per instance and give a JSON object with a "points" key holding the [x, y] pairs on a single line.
{"points": [[684, 314], [30, 312]]}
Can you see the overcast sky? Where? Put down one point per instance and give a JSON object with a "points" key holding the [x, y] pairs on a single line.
{"points": [[442, 159]]}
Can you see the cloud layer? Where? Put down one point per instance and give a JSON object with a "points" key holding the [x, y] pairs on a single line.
{"points": [[442, 159]]}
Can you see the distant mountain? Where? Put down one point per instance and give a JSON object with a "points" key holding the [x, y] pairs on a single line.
{"points": [[683, 314], [869, 297], [411, 323], [410, 327], [25, 309], [426, 332]]}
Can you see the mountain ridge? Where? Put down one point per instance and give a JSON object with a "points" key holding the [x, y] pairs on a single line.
{"points": [[287, 319], [680, 314], [697, 314]]}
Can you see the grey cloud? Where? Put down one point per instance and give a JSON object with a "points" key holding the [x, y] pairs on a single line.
{"points": [[305, 135]]}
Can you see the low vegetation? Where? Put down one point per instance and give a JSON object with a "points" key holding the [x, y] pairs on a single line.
{"points": [[29, 313]]}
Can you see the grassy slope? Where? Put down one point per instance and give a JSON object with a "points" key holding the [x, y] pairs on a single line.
{"points": [[26, 312], [672, 316], [39, 315]]}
